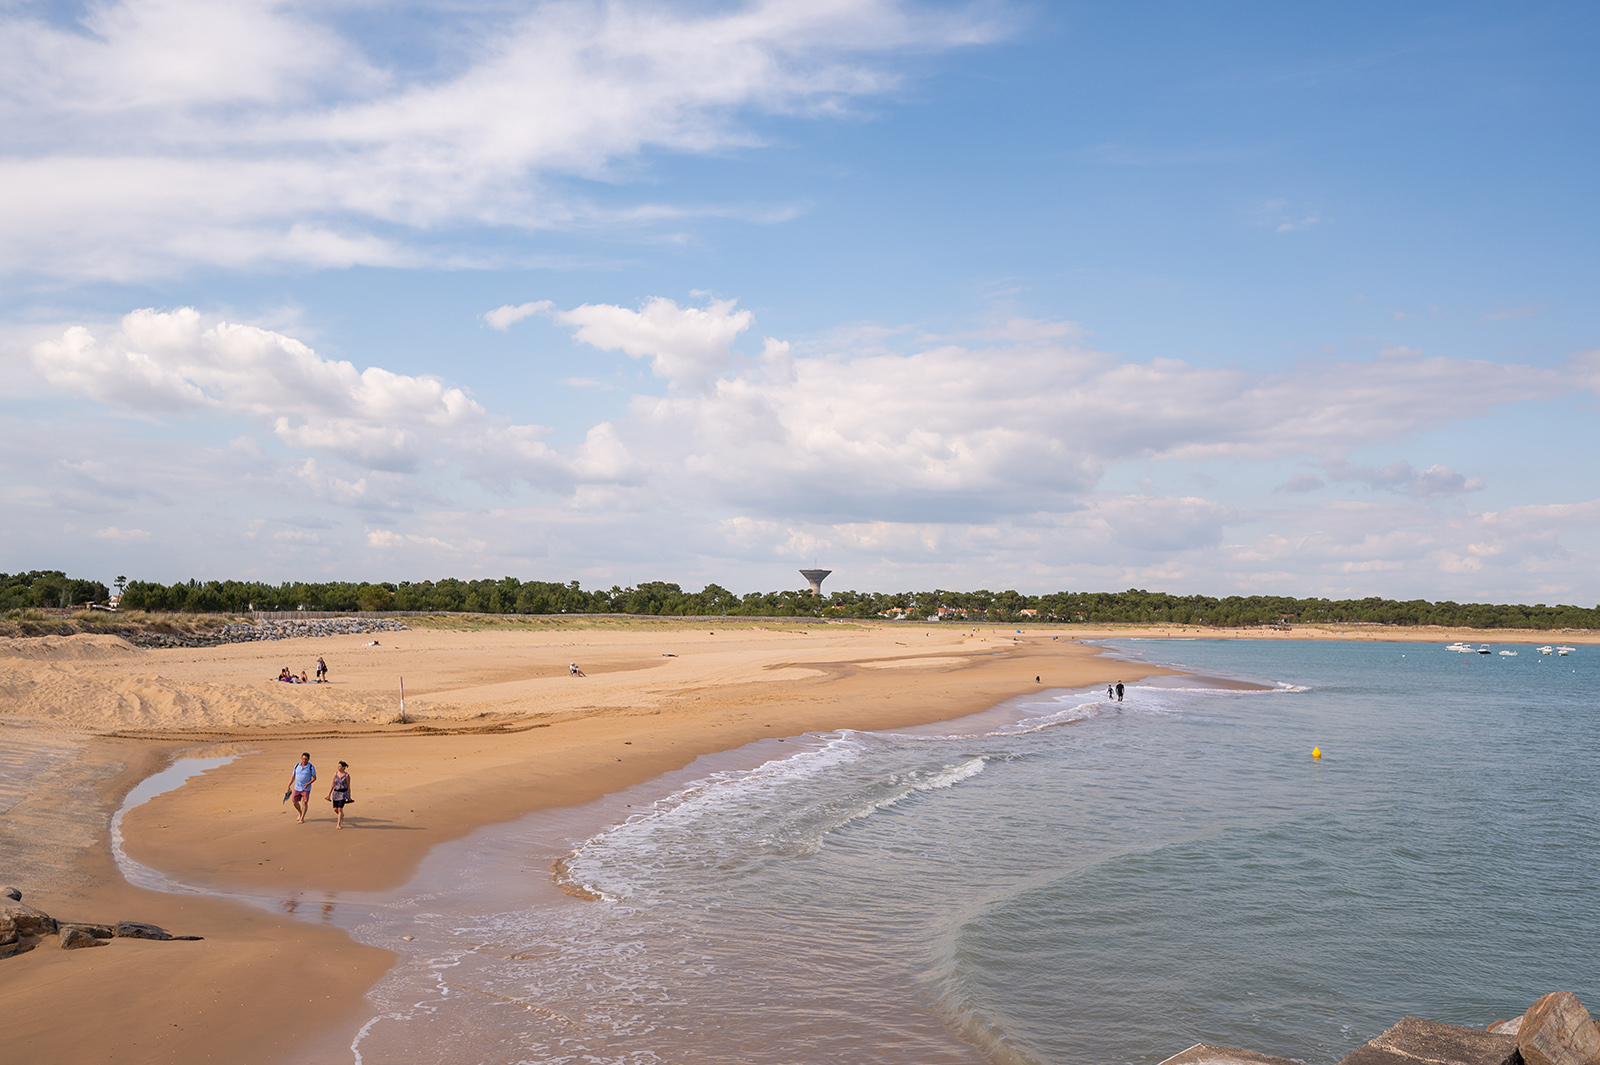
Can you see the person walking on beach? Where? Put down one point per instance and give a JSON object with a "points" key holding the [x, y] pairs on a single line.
{"points": [[300, 781], [339, 793], [574, 671], [322, 671], [1119, 691]]}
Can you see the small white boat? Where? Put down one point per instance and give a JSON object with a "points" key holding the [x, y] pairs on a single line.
{"points": [[1484, 650], [1508, 654], [1564, 651], [1547, 650], [1459, 647]]}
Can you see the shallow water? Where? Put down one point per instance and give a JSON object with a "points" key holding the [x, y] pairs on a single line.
{"points": [[1088, 882]]}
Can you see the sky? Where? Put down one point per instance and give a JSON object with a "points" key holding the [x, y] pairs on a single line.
{"points": [[1225, 298]]}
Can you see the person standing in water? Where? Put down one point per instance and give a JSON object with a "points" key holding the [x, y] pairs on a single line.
{"points": [[339, 793], [1119, 691], [300, 780], [1110, 693]]}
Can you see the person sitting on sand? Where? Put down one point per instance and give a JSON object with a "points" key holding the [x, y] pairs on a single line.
{"points": [[285, 676], [574, 671], [339, 793], [301, 778], [303, 678]]}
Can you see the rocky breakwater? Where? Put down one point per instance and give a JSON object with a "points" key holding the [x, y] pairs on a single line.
{"points": [[22, 928], [249, 631], [1556, 1030]]}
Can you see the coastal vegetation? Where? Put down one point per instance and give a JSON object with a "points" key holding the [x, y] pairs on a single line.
{"points": [[39, 589]]}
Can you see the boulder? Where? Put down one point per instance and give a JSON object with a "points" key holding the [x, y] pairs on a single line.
{"points": [[1206, 1054], [1557, 1030], [73, 938], [9, 892], [9, 949], [26, 919], [1505, 1027], [99, 931], [1414, 1041], [140, 930]]}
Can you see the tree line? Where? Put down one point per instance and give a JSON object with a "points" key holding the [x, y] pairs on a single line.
{"points": [[508, 595]]}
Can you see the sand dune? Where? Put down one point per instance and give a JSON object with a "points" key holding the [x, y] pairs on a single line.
{"points": [[83, 647]]}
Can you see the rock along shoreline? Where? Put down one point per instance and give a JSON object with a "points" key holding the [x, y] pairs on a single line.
{"points": [[1556, 1030], [251, 631]]}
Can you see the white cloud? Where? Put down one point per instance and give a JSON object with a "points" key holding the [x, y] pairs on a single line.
{"points": [[922, 465], [166, 362], [116, 535], [686, 345], [503, 318], [155, 134]]}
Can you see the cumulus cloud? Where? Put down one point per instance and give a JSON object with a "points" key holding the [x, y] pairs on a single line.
{"points": [[686, 345], [167, 362], [154, 134], [975, 457], [1031, 425], [163, 362]]}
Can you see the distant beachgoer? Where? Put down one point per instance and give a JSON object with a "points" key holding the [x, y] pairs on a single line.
{"points": [[574, 671], [285, 676], [300, 780], [322, 671], [1111, 693], [1119, 691], [339, 793], [303, 678]]}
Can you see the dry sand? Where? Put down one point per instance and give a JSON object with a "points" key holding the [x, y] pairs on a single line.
{"points": [[496, 728]]}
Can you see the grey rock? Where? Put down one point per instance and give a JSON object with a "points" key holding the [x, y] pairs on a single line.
{"points": [[11, 950], [14, 894], [140, 930], [1415, 1041], [1505, 1027], [249, 631], [1206, 1054], [1557, 1030], [99, 931], [73, 938], [27, 920]]}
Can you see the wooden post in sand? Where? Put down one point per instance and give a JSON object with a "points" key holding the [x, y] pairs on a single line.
{"points": [[402, 700]]}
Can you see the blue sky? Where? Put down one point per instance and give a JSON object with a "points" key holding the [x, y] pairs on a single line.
{"points": [[1207, 298]]}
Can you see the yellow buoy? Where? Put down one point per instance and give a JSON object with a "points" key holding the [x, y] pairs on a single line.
{"points": [[1316, 752]]}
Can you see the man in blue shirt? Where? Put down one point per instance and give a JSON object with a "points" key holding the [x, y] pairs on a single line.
{"points": [[300, 781]]}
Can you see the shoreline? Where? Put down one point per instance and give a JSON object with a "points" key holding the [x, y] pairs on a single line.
{"points": [[227, 830], [500, 741]]}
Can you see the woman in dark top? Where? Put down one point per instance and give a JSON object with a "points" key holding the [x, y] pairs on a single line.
{"points": [[339, 793]]}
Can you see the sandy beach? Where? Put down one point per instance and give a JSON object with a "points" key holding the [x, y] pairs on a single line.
{"points": [[495, 727]]}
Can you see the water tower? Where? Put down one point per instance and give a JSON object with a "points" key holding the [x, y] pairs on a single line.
{"points": [[815, 577]]}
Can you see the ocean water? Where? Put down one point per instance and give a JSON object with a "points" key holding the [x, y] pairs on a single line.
{"points": [[1063, 880]]}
